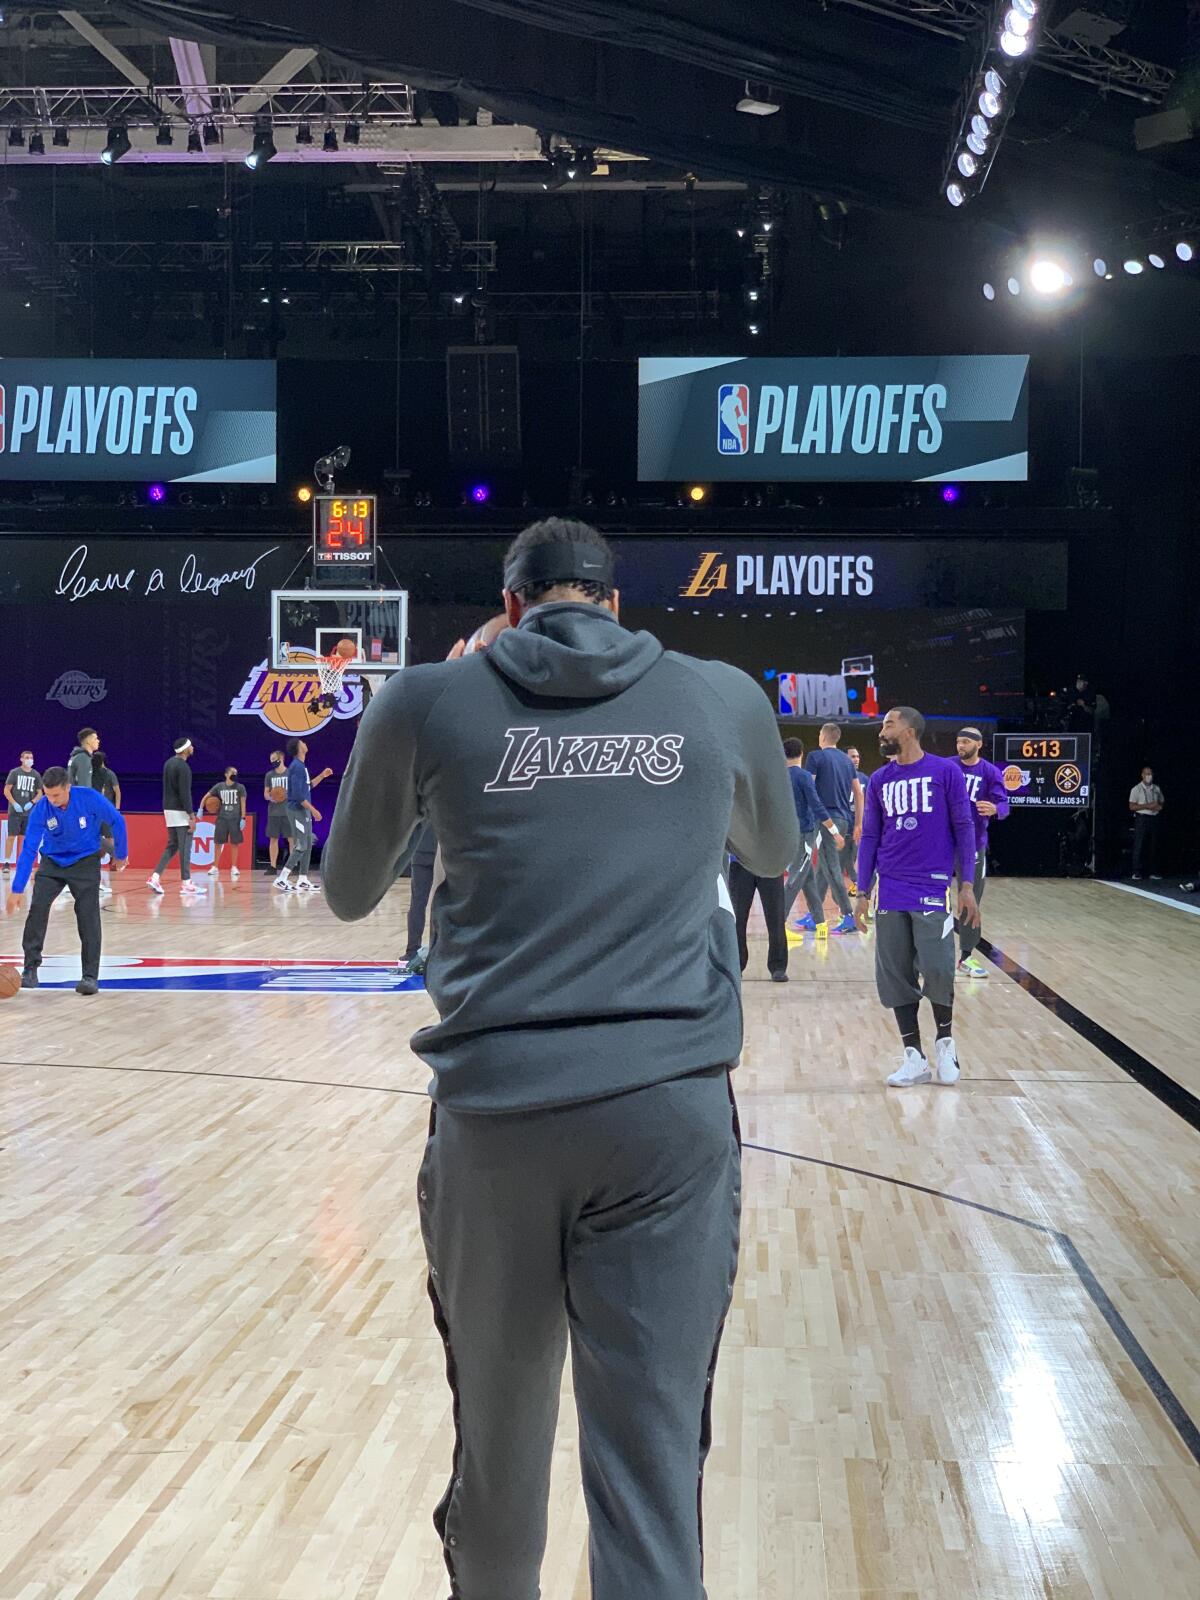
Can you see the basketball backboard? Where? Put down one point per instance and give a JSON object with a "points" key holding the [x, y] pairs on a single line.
{"points": [[308, 622]]}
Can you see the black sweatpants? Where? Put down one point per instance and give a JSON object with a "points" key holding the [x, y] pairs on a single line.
{"points": [[83, 879], [1145, 841], [179, 842], [614, 1223], [420, 884], [743, 885]]}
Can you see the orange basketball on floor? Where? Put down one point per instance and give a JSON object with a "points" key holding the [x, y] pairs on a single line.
{"points": [[10, 982], [211, 805]]}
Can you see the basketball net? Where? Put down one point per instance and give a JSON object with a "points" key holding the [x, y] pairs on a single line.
{"points": [[329, 674]]}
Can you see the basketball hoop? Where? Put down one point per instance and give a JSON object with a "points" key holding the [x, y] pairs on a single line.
{"points": [[330, 670]]}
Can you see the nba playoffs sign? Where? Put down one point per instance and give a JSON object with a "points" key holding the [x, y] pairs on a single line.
{"points": [[179, 421], [861, 418]]}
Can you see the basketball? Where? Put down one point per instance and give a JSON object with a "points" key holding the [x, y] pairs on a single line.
{"points": [[211, 805], [10, 982], [346, 648]]}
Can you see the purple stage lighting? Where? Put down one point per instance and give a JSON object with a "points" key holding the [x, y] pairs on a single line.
{"points": [[951, 493], [157, 493], [481, 494]]}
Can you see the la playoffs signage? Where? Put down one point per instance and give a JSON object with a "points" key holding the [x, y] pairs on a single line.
{"points": [[140, 421], [878, 419]]}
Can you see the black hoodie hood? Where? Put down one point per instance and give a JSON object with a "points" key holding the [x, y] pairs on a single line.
{"points": [[573, 651]]}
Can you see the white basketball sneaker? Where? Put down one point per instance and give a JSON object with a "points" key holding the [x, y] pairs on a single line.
{"points": [[153, 883], [946, 1057], [192, 889], [234, 873], [283, 881], [913, 1069], [305, 883]]}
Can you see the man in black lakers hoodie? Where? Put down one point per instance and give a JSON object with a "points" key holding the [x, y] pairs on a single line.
{"points": [[582, 1171]]}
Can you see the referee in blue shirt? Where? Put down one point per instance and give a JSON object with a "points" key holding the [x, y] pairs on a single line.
{"points": [[65, 827], [841, 792]]}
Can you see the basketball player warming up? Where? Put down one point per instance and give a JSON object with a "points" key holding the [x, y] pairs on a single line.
{"points": [[986, 792], [917, 824], [582, 1176]]}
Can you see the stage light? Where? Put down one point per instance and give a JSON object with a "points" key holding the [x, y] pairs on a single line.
{"points": [[1027, 8], [740, 231], [989, 104], [15, 137], [1014, 286], [989, 292], [980, 126], [758, 101], [951, 493], [1048, 277], [351, 132], [955, 193], [195, 144], [1133, 266], [304, 133], [754, 328], [753, 295], [62, 138], [164, 136], [37, 145], [1013, 44], [967, 164], [304, 494], [993, 82], [1100, 267], [117, 145], [157, 493], [697, 493], [976, 143], [481, 493], [262, 150], [211, 133], [1184, 250], [1017, 22], [1154, 259]]}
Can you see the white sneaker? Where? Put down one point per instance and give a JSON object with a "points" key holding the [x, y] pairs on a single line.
{"points": [[283, 881], [214, 872], [234, 874], [306, 883], [913, 1069], [946, 1057], [105, 887], [153, 883], [192, 888]]}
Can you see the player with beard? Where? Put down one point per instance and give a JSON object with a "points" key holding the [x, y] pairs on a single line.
{"points": [[989, 798], [917, 825]]}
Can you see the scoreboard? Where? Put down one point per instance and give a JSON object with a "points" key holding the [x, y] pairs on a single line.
{"points": [[1045, 769], [344, 535]]}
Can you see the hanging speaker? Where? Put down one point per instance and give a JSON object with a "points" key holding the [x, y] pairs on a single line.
{"points": [[483, 395]]}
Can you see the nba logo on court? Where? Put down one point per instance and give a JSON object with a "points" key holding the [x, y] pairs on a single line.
{"points": [[733, 419]]}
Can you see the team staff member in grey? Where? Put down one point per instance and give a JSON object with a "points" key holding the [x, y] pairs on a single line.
{"points": [[582, 1174], [79, 767], [21, 789]]}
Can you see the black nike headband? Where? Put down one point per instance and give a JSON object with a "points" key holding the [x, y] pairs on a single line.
{"points": [[567, 561]]}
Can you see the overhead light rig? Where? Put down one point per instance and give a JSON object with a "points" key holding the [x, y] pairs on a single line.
{"points": [[989, 97]]}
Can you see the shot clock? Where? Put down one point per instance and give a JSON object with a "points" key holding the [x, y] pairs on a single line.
{"points": [[344, 536], [1045, 769]]}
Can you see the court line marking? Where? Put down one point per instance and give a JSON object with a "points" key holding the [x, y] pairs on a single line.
{"points": [[1160, 1084], [1149, 894], [1168, 1401]]}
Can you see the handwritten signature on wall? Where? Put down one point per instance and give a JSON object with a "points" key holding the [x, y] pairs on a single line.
{"points": [[77, 583]]}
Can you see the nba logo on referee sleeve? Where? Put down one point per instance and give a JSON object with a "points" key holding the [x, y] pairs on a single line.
{"points": [[733, 419]]}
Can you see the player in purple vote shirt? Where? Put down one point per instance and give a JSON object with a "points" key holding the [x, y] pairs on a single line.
{"points": [[989, 798], [917, 827]]}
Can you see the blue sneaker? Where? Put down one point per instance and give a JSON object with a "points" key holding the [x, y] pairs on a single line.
{"points": [[846, 925], [805, 923]]}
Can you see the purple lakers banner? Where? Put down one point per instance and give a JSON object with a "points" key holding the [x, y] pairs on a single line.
{"points": [[854, 418]]}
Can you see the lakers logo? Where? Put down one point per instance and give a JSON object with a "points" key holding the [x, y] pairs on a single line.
{"points": [[709, 578], [281, 698]]}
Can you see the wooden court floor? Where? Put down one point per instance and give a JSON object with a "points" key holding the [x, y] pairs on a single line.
{"points": [[960, 1365]]}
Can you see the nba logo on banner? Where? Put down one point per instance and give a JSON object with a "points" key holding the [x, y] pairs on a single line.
{"points": [[733, 419], [788, 698]]}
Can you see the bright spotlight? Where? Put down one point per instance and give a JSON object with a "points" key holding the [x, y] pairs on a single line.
{"points": [[304, 494], [989, 292], [976, 143], [697, 493], [989, 103], [754, 328], [956, 194], [1013, 44], [1133, 266], [1048, 277], [1100, 266], [1017, 22], [1184, 250], [1014, 286], [157, 492], [117, 146], [993, 82], [951, 493], [481, 493], [1027, 8], [262, 150], [1156, 260], [967, 164], [980, 126]]}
